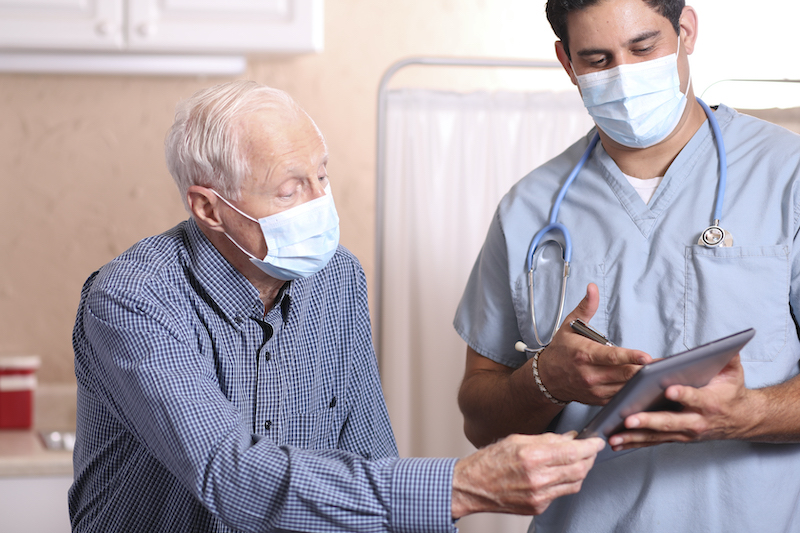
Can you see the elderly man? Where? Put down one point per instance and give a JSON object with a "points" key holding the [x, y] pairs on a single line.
{"points": [[226, 375], [672, 258]]}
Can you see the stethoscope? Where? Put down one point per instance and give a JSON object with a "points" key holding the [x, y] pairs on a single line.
{"points": [[713, 236]]}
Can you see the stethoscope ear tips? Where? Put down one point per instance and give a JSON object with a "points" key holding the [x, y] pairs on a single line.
{"points": [[520, 346]]}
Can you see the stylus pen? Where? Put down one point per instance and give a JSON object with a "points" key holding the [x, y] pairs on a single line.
{"points": [[589, 332]]}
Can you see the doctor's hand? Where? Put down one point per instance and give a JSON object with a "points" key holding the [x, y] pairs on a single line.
{"points": [[723, 409], [574, 368], [522, 474]]}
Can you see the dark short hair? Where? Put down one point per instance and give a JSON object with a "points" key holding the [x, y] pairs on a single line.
{"points": [[557, 11]]}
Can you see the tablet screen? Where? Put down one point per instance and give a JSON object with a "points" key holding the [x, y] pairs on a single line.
{"points": [[645, 390]]}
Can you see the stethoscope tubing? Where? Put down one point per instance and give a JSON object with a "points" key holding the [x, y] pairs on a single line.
{"points": [[723, 161], [556, 226]]}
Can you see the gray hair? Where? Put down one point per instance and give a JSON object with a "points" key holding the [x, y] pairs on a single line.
{"points": [[202, 146]]}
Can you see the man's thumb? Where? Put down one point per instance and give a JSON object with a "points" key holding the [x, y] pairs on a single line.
{"points": [[588, 306]]}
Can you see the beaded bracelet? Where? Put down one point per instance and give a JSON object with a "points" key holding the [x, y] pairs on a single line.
{"points": [[538, 379]]}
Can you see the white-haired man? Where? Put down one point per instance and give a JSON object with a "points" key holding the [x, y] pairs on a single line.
{"points": [[226, 375]]}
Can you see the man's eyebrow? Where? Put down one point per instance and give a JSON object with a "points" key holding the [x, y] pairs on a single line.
{"points": [[300, 169], [602, 51], [592, 52], [645, 36]]}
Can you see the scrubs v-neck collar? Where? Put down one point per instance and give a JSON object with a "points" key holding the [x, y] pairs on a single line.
{"points": [[679, 174]]}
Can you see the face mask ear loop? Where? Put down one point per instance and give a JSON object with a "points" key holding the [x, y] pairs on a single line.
{"points": [[239, 246], [245, 215], [571, 66], [677, 58]]}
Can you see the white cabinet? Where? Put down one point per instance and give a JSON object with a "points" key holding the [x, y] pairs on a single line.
{"points": [[61, 24], [225, 25], [162, 26], [36, 504]]}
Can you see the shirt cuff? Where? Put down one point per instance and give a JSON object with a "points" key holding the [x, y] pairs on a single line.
{"points": [[422, 491]]}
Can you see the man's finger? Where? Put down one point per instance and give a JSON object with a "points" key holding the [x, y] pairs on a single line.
{"points": [[611, 356], [575, 451]]}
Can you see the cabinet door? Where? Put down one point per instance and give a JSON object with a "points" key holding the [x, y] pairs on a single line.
{"points": [[61, 24], [223, 26]]}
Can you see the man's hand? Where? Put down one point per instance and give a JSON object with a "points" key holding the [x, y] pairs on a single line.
{"points": [[522, 474], [574, 368], [498, 400], [723, 409]]}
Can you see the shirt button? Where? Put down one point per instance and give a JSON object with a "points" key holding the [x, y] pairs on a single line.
{"points": [[268, 424], [238, 320], [267, 356]]}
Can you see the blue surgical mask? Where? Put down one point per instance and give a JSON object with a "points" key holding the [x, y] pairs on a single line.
{"points": [[639, 104], [300, 241]]}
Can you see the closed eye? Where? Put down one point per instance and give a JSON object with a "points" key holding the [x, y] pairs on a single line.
{"points": [[594, 58], [598, 62], [643, 51]]}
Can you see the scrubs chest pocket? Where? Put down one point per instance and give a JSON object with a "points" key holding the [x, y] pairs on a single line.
{"points": [[731, 289]]}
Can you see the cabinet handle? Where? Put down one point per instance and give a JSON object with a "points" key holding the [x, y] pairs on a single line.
{"points": [[146, 29], [105, 28]]}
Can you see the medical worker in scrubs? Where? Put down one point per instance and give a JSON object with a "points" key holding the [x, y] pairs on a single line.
{"points": [[636, 212]]}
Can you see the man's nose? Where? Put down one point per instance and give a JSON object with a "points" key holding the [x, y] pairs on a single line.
{"points": [[318, 189]]}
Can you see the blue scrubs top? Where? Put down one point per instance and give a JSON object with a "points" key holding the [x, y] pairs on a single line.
{"points": [[662, 293]]}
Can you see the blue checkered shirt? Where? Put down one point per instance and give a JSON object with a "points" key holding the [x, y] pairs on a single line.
{"points": [[199, 410]]}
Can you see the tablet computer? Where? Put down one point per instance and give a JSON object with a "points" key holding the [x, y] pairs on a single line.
{"points": [[645, 390]]}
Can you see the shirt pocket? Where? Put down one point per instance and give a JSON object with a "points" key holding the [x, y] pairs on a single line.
{"points": [[731, 289], [311, 430]]}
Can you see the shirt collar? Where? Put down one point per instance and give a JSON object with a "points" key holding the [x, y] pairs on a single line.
{"points": [[227, 287], [232, 293], [699, 148]]}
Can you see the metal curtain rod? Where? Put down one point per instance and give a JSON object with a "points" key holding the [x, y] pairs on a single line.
{"points": [[381, 152], [747, 80]]}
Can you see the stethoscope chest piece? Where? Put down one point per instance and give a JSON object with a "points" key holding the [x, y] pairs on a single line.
{"points": [[715, 237]]}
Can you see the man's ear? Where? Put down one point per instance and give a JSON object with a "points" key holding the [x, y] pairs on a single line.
{"points": [[561, 54], [204, 205], [688, 27]]}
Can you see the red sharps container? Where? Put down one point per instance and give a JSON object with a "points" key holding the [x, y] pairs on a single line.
{"points": [[17, 384]]}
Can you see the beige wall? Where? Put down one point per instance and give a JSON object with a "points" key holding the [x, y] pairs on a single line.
{"points": [[81, 160]]}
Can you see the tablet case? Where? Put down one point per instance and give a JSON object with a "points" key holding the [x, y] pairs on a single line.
{"points": [[645, 390]]}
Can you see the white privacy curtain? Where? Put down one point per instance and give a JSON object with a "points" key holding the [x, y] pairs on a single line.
{"points": [[449, 159]]}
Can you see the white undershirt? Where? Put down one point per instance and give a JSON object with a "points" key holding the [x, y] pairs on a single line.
{"points": [[645, 188]]}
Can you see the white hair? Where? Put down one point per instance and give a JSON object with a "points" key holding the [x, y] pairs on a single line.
{"points": [[202, 146]]}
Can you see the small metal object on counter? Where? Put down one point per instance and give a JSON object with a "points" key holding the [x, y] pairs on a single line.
{"points": [[58, 440]]}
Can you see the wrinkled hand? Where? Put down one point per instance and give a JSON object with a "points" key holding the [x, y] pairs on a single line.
{"points": [[574, 368], [522, 474], [720, 410]]}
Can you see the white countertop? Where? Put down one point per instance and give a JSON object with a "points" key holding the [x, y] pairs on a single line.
{"points": [[23, 453]]}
